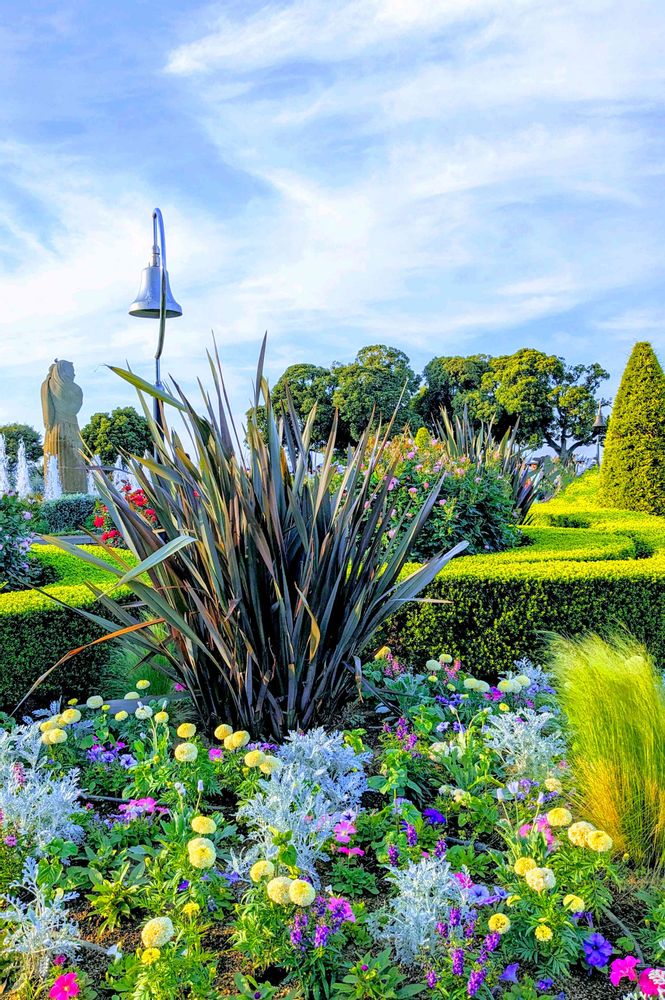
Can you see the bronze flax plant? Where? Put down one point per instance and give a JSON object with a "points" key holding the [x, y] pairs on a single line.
{"points": [[271, 577]]}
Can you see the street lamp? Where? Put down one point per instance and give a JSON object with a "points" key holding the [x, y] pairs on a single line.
{"points": [[155, 301], [599, 428]]}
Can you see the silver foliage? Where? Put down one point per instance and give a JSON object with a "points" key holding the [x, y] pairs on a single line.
{"points": [[523, 743]]}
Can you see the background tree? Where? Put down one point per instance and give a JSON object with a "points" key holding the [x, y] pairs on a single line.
{"points": [[375, 381], [632, 474], [453, 383], [556, 403], [107, 434], [14, 433], [309, 385]]}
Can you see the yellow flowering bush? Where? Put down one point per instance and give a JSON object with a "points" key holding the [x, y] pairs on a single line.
{"points": [[540, 879], [302, 893], [599, 841], [278, 889], [157, 932], [203, 824], [254, 758], [524, 865], [261, 870], [202, 853], [578, 833], [543, 932], [186, 730], [559, 817], [186, 752], [499, 923]]}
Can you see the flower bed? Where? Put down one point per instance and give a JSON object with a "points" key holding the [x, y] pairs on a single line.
{"points": [[586, 567], [439, 846]]}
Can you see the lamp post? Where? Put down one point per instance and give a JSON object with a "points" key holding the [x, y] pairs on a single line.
{"points": [[599, 428], [155, 301]]}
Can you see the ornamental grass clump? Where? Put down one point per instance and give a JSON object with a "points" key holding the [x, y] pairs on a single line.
{"points": [[270, 577], [614, 700]]}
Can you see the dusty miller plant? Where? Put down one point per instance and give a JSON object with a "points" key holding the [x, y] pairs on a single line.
{"points": [[521, 740], [426, 890], [34, 801], [329, 765], [38, 928]]}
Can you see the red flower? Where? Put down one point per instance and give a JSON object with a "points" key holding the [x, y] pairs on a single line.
{"points": [[99, 521]]}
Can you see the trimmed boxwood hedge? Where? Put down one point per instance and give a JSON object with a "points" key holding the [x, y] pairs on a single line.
{"points": [[582, 568], [35, 631]]}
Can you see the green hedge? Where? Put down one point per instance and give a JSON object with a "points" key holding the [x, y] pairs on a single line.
{"points": [[35, 631], [67, 513], [582, 568]]}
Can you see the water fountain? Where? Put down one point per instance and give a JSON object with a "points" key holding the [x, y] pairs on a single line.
{"points": [[52, 484], [5, 484], [92, 479], [119, 474], [23, 485]]}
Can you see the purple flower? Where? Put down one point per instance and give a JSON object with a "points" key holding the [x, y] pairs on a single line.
{"points": [[411, 833], [492, 941], [440, 849], [476, 980], [184, 885], [393, 855], [454, 917], [321, 936], [431, 979], [434, 817], [509, 974], [215, 753], [544, 984], [458, 961], [597, 950], [11, 841]]}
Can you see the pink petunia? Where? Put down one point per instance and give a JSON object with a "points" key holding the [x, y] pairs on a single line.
{"points": [[352, 852], [651, 982], [215, 753], [623, 968], [65, 986]]}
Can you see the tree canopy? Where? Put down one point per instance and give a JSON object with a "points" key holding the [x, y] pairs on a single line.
{"points": [[309, 385], [379, 381], [122, 430], [13, 433]]}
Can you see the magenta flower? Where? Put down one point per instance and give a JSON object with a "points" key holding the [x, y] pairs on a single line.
{"points": [[65, 986], [623, 968], [215, 753]]}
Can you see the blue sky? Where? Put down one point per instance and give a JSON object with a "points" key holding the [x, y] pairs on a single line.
{"points": [[445, 176]]}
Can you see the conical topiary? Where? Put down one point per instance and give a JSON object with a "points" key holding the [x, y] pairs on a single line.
{"points": [[632, 473]]}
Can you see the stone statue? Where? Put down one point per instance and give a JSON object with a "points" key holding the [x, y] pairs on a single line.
{"points": [[61, 401]]}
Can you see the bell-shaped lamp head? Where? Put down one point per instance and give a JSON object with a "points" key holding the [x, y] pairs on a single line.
{"points": [[146, 303]]}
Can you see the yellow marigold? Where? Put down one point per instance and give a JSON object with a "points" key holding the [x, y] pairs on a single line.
{"points": [[574, 903], [524, 680], [223, 731], [70, 715], [503, 707], [54, 736], [186, 753], [254, 758], [482, 686], [543, 932], [186, 730], [599, 841], [278, 889], [48, 724], [512, 900], [540, 879], [143, 712], [559, 817], [260, 870], [157, 932], [73, 701], [240, 739], [132, 696], [524, 865], [504, 686], [301, 893], [382, 653], [270, 765], [95, 701], [161, 716], [578, 833], [105, 708], [121, 715], [499, 923], [203, 824], [553, 785], [191, 909], [202, 853], [470, 683], [142, 685], [150, 956]]}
